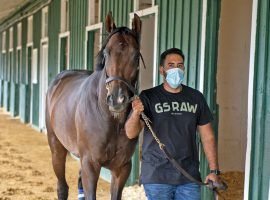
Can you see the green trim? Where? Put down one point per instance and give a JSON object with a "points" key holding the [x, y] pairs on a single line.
{"points": [[210, 85], [260, 137], [135, 172]]}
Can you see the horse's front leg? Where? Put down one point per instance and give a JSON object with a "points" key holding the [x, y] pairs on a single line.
{"points": [[119, 178], [90, 173]]}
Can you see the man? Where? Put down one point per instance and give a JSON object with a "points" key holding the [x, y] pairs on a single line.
{"points": [[176, 112]]}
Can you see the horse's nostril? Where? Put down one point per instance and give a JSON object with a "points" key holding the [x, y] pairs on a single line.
{"points": [[121, 99], [110, 99]]}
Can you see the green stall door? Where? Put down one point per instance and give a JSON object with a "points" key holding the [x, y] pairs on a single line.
{"points": [[63, 53], [93, 47]]}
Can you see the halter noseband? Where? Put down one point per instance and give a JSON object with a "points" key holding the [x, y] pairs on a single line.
{"points": [[130, 87]]}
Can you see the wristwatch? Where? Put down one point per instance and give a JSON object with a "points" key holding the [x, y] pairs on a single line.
{"points": [[215, 171]]}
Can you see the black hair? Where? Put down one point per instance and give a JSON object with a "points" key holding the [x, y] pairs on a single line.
{"points": [[170, 51]]}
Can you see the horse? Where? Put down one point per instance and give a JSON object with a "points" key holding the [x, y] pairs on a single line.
{"points": [[86, 113]]}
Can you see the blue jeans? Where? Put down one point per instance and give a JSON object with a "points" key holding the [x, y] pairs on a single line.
{"points": [[189, 191]]}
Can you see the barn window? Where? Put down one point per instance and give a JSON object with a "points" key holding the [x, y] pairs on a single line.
{"points": [[11, 39], [4, 42], [10, 55], [30, 30], [18, 69], [64, 16], [19, 34], [45, 22], [93, 34], [93, 12], [143, 4], [19, 65], [34, 66], [3, 63]]}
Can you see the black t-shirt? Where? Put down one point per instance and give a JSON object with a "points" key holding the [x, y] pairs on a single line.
{"points": [[174, 118]]}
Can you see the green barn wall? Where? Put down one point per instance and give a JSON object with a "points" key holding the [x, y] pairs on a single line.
{"points": [[180, 26], [78, 22], [6, 74], [14, 90], [24, 42], [53, 34], [120, 10], [24, 87], [260, 138], [35, 91]]}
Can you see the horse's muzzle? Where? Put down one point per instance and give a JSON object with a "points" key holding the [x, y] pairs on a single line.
{"points": [[117, 103]]}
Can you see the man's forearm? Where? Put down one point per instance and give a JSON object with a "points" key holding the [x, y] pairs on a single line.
{"points": [[133, 126], [209, 145], [210, 150]]}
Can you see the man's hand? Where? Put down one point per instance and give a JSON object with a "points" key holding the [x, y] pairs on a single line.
{"points": [[134, 124], [137, 106], [212, 177]]}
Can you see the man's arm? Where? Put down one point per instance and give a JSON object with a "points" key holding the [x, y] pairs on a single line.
{"points": [[134, 124], [210, 149]]}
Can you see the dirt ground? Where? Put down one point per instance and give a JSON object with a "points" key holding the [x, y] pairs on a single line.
{"points": [[25, 165], [26, 172]]}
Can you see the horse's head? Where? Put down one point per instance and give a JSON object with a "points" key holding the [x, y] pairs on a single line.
{"points": [[121, 54]]}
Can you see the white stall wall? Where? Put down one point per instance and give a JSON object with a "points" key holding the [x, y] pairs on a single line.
{"points": [[232, 82]]}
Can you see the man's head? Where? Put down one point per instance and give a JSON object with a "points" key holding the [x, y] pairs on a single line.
{"points": [[172, 62], [168, 52]]}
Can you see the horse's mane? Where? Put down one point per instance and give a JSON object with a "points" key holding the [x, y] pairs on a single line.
{"points": [[100, 59]]}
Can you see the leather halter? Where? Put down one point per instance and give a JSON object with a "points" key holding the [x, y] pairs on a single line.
{"points": [[113, 78]]}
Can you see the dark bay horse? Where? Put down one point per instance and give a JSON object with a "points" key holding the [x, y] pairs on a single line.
{"points": [[85, 114]]}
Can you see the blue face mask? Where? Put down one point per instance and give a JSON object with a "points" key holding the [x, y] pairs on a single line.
{"points": [[175, 77]]}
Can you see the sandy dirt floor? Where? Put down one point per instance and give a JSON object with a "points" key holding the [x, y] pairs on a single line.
{"points": [[26, 172], [25, 165]]}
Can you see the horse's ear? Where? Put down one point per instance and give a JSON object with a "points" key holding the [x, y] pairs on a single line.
{"points": [[110, 25], [136, 24]]}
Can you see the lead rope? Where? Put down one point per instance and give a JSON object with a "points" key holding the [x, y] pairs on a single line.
{"points": [[211, 185], [146, 120]]}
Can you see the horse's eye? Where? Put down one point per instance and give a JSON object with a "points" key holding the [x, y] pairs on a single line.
{"points": [[106, 52]]}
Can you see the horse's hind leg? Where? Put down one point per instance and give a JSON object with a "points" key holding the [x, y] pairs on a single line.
{"points": [[59, 154], [119, 178]]}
